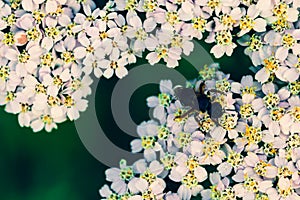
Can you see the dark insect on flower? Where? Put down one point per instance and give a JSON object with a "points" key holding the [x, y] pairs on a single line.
{"points": [[199, 101]]}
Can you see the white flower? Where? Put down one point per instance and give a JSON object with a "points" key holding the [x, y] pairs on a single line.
{"points": [[120, 177], [73, 104], [31, 5], [147, 132], [44, 120], [27, 60], [88, 18], [224, 43], [247, 86], [138, 31], [87, 49], [292, 73], [190, 173], [250, 21], [286, 41], [271, 65], [284, 191], [170, 55], [114, 64], [93, 64]]}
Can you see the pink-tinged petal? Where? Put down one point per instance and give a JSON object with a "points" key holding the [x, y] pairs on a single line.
{"points": [[284, 94], [156, 168], [152, 58], [119, 186], [24, 119], [200, 174], [282, 53], [79, 52], [11, 54], [262, 75], [184, 193], [264, 185], [47, 43], [224, 169], [296, 49], [121, 72], [149, 155], [37, 125], [108, 73], [260, 25], [28, 5], [271, 172], [51, 6], [98, 72], [292, 14], [291, 75], [218, 51]]}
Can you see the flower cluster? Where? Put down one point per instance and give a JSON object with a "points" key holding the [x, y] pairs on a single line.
{"points": [[246, 146], [51, 47], [41, 75]]}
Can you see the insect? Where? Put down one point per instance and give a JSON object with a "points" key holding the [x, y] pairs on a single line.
{"points": [[199, 101]]}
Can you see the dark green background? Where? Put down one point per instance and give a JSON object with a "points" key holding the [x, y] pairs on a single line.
{"points": [[56, 165]]}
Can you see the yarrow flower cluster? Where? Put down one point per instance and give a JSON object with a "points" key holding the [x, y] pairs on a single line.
{"points": [[251, 151], [50, 48]]}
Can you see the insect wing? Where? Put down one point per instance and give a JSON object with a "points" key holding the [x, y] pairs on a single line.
{"points": [[186, 96]]}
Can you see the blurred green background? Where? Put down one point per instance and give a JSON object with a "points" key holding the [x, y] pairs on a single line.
{"points": [[56, 165]]}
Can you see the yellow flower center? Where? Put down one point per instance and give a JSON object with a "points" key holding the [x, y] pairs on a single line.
{"points": [[199, 23], [8, 39], [184, 139], [150, 5], [246, 111], [189, 180], [227, 21], [40, 89], [131, 4], [69, 102], [235, 159], [172, 18], [271, 100], [148, 176], [53, 101], [224, 37], [4, 72], [10, 19], [288, 40], [192, 163], [246, 23], [255, 43], [294, 87], [168, 161], [294, 141], [23, 57], [148, 142], [253, 135], [47, 59], [24, 107], [68, 56], [280, 10], [277, 113], [47, 119], [260, 168], [38, 16], [33, 34], [251, 184], [52, 32], [10, 96], [213, 4]]}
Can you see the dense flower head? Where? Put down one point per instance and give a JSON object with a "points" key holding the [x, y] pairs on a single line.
{"points": [[248, 151], [43, 38]]}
